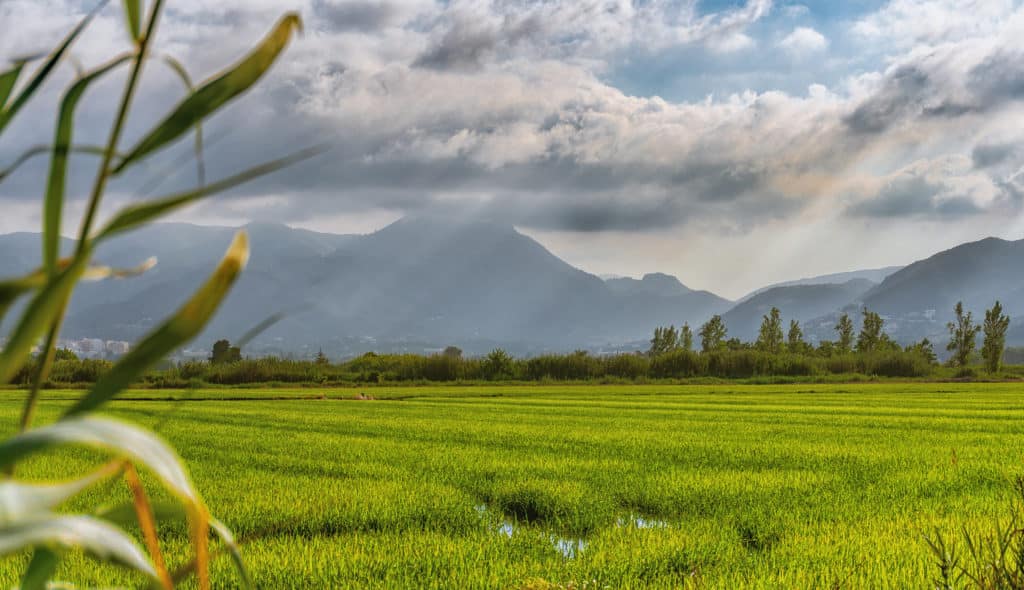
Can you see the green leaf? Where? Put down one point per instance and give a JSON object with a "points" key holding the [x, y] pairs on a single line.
{"points": [[178, 330], [236, 555], [97, 538], [44, 70], [114, 436], [124, 515], [198, 147], [45, 149], [53, 205], [7, 81], [12, 289], [133, 16], [217, 92], [134, 216], [21, 500], [40, 569], [39, 315]]}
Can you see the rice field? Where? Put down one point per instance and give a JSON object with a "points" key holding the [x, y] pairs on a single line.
{"points": [[794, 486]]}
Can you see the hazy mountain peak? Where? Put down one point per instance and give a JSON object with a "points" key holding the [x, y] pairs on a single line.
{"points": [[654, 283]]}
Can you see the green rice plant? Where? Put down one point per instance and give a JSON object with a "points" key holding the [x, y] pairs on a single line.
{"points": [[28, 520], [992, 560]]}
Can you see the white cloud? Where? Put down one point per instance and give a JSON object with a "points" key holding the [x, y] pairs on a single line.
{"points": [[513, 113], [904, 23], [802, 41]]}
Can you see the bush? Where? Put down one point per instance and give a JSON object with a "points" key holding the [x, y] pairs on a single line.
{"points": [[678, 364]]}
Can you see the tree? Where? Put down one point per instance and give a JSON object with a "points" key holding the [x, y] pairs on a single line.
{"points": [[321, 358], [664, 340], [871, 337], [769, 339], [925, 350], [224, 353], [452, 352], [64, 354], [712, 334], [844, 327], [686, 337], [497, 364], [962, 336], [795, 339], [995, 327]]}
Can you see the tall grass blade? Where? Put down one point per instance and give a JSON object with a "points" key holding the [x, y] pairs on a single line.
{"points": [[107, 434], [40, 570], [147, 522], [178, 330], [97, 538], [45, 149], [236, 555], [216, 93], [133, 18], [53, 204], [39, 316], [137, 215], [12, 289], [124, 515], [8, 113], [197, 149], [18, 500], [7, 81]]}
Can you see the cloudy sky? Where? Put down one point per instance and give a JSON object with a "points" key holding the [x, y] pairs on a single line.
{"points": [[730, 143]]}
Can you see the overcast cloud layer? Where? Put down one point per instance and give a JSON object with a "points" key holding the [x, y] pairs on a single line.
{"points": [[730, 143]]}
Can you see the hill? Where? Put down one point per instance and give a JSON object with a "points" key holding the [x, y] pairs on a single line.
{"points": [[417, 284]]}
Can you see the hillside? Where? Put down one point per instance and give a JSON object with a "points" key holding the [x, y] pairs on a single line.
{"points": [[417, 284], [796, 302]]}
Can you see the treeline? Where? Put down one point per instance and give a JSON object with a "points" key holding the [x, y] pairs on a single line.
{"points": [[673, 354], [870, 351]]}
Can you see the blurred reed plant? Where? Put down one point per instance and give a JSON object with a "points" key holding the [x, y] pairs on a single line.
{"points": [[29, 521]]}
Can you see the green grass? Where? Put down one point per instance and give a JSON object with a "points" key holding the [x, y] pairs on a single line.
{"points": [[758, 486]]}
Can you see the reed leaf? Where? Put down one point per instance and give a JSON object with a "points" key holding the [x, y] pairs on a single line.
{"points": [[236, 555], [182, 327], [124, 515], [53, 203], [197, 148], [96, 537], [19, 500], [46, 149], [137, 215], [7, 81], [133, 18], [8, 113], [114, 436], [216, 93], [39, 316], [40, 569]]}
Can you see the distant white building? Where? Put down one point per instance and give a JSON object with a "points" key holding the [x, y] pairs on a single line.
{"points": [[117, 347]]}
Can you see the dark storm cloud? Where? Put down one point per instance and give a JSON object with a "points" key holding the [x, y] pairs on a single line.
{"points": [[913, 196], [900, 95], [356, 15], [989, 155], [998, 79], [468, 43]]}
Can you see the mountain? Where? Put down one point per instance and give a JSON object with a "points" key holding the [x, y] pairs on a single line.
{"points": [[655, 283], [796, 302], [417, 284], [875, 275], [422, 283], [919, 299]]}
